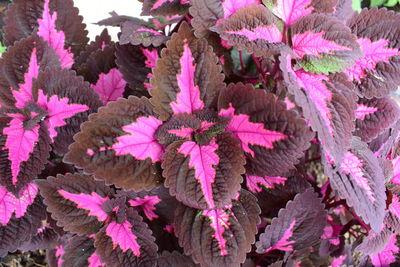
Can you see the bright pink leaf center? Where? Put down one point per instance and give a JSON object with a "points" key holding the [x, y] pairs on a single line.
{"points": [[159, 3], [140, 141], [122, 236], [250, 133], [386, 256], [284, 244], [269, 33], [396, 171], [92, 203], [292, 10], [58, 110], [188, 98], [352, 165], [147, 30], [151, 57], [219, 222], [374, 52], [395, 206], [338, 262], [202, 159], [10, 203], [59, 253], [363, 110], [94, 260], [20, 143], [25, 90], [48, 31], [253, 182], [310, 43], [110, 86], [231, 6], [148, 205]]}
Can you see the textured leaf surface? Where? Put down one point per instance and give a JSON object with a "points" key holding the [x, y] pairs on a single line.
{"points": [[69, 103], [80, 251], [374, 116], [94, 149], [181, 84], [327, 101], [126, 243], [297, 227], [359, 179], [164, 7], [56, 39], [377, 31], [375, 242], [174, 258], [272, 137], [22, 19], [204, 176], [75, 201], [23, 153], [386, 256], [138, 34], [323, 44], [254, 182], [253, 29], [218, 237]]}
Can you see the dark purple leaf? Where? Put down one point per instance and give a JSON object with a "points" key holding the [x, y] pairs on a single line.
{"points": [[106, 148], [219, 237], [76, 201], [272, 137], [164, 7], [80, 252], [174, 259], [138, 34], [297, 227], [187, 77]]}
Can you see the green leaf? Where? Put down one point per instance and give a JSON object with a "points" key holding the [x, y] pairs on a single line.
{"points": [[325, 65], [392, 3], [377, 3], [2, 48], [357, 5]]}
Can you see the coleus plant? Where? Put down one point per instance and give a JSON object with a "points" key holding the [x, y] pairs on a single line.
{"points": [[216, 133]]}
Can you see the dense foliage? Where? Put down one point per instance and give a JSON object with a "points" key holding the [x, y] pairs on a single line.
{"points": [[217, 133]]}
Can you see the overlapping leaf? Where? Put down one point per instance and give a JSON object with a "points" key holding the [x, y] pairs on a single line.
{"points": [[290, 11], [328, 102], [126, 242], [187, 77], [297, 227], [323, 44], [45, 238], [110, 145], [139, 34], [272, 137], [359, 179], [204, 176], [21, 215], [374, 116], [76, 201], [253, 29], [219, 237], [22, 19], [378, 32], [173, 259], [80, 251]]}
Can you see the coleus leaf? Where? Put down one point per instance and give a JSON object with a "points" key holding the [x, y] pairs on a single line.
{"points": [[23, 152], [27, 213], [387, 255], [297, 227], [187, 77], [110, 86], [22, 19], [359, 179], [204, 176], [106, 147], [164, 7], [138, 34], [20, 54], [328, 102], [220, 236], [127, 242], [80, 251], [272, 137], [344, 10], [375, 242], [44, 238], [131, 62], [56, 39], [373, 116], [376, 73], [253, 29], [207, 13], [323, 44], [76, 201]]}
